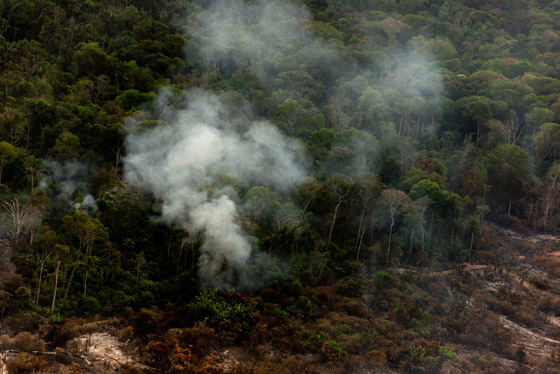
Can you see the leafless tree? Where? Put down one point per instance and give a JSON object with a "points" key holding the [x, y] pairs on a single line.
{"points": [[395, 201], [513, 129], [341, 190], [22, 218]]}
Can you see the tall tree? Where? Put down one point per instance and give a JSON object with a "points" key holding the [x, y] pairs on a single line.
{"points": [[368, 189], [340, 187], [87, 231], [395, 201], [60, 251], [22, 216]]}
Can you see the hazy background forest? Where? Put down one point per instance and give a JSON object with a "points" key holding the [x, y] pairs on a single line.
{"points": [[316, 156]]}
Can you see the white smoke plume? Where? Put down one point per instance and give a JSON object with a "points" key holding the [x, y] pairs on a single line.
{"points": [[178, 162]]}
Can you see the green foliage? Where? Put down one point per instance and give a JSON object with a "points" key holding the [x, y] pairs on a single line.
{"points": [[132, 99], [332, 350], [216, 310], [450, 106], [383, 280], [547, 144]]}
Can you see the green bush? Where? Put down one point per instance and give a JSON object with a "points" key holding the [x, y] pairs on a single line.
{"points": [[383, 280], [332, 351], [222, 313]]}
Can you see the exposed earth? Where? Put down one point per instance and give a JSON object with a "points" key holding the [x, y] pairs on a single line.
{"points": [[514, 290]]}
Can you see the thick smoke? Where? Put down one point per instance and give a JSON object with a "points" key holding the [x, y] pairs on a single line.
{"points": [[183, 161]]}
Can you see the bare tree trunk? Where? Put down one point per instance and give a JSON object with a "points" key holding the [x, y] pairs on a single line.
{"points": [[360, 243], [19, 216], [546, 213], [304, 210], [40, 279], [333, 221], [117, 156], [70, 280], [341, 198], [55, 285], [390, 234], [85, 281], [360, 226]]}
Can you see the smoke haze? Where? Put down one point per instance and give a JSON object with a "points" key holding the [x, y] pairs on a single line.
{"points": [[255, 36], [68, 178], [181, 159]]}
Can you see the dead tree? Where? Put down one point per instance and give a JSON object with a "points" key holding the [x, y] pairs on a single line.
{"points": [[22, 217], [395, 201]]}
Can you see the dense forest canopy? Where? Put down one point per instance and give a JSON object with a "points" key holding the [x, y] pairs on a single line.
{"points": [[290, 125], [153, 149]]}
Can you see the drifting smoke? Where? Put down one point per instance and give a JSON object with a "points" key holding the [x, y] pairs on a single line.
{"points": [[181, 161], [63, 181], [414, 74], [256, 36]]}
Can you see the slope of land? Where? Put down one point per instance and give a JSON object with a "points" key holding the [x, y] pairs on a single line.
{"points": [[498, 316]]}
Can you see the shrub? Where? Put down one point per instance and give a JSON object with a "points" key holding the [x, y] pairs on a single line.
{"points": [[447, 354], [303, 308], [5, 340], [332, 351], [25, 363], [143, 322], [226, 314], [59, 335], [377, 358], [27, 342], [354, 307], [127, 333], [383, 280]]}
